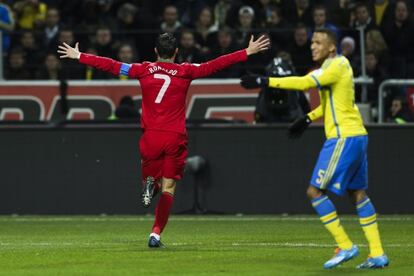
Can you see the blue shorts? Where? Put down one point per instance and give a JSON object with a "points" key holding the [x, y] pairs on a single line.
{"points": [[342, 165]]}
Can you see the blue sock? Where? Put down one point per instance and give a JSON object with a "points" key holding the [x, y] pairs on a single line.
{"points": [[365, 209], [368, 221], [323, 205], [327, 213]]}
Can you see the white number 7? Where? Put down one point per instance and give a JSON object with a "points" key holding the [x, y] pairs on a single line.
{"points": [[167, 81]]}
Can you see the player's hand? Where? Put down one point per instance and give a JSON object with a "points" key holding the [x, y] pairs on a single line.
{"points": [[256, 46], [254, 81], [298, 127], [69, 52]]}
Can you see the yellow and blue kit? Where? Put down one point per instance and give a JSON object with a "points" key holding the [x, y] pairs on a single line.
{"points": [[342, 162]]}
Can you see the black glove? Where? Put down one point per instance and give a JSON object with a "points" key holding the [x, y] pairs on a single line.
{"points": [[298, 127], [254, 81]]}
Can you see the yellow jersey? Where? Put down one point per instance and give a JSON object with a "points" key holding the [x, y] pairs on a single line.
{"points": [[336, 90]]}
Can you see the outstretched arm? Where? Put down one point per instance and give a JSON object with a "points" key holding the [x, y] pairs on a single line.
{"points": [[288, 83], [317, 78], [212, 66], [102, 63]]}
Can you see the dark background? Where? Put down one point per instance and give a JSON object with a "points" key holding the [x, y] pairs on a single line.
{"points": [[93, 169]]}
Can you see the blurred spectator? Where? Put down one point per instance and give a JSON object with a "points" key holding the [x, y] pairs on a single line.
{"points": [[133, 24], [299, 11], [137, 23], [6, 24], [205, 30], [245, 26], [95, 13], [33, 55], [347, 47], [126, 22], [263, 10], [383, 12], [363, 17], [339, 11], [300, 50], [69, 68], [245, 30], [226, 12], [320, 21], [399, 112], [31, 14], [90, 73], [51, 69], [188, 52], [377, 73], [104, 44], [127, 111], [225, 45], [278, 29], [189, 10], [51, 29], [65, 35], [375, 43], [126, 54], [170, 22], [399, 36], [16, 67]]}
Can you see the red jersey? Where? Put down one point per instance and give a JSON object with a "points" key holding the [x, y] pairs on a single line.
{"points": [[164, 85]]}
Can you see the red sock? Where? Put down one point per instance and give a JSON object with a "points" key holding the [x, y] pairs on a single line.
{"points": [[162, 212]]}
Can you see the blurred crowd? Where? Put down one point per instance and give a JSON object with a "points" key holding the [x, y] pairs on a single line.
{"points": [[126, 29]]}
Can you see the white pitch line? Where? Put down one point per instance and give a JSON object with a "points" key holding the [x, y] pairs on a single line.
{"points": [[289, 244], [8, 245], [201, 218]]}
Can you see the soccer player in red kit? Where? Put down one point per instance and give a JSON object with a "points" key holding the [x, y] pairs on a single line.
{"points": [[164, 84]]}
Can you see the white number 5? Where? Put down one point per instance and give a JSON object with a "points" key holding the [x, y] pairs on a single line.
{"points": [[167, 81]]}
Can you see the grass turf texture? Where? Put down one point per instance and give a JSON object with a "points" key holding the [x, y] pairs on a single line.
{"points": [[196, 245]]}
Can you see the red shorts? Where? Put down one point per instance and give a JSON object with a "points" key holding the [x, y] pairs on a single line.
{"points": [[163, 154]]}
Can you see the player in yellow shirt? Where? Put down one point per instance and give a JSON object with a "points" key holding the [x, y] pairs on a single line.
{"points": [[342, 163]]}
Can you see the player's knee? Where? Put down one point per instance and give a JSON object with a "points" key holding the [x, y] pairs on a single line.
{"points": [[357, 195], [313, 192], [168, 185]]}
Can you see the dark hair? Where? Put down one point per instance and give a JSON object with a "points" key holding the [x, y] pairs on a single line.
{"points": [[301, 25], [331, 35], [166, 45], [319, 7], [362, 5], [371, 53]]}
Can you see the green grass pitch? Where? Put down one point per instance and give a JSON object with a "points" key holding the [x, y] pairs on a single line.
{"points": [[196, 245]]}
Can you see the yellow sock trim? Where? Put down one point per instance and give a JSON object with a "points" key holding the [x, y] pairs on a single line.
{"points": [[339, 234], [372, 234]]}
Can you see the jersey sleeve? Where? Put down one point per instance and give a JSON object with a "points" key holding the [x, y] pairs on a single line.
{"points": [[315, 79], [205, 69], [293, 83], [112, 66], [316, 113], [328, 75]]}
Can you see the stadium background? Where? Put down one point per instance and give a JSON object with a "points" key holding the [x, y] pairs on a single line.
{"points": [[62, 113], [69, 181]]}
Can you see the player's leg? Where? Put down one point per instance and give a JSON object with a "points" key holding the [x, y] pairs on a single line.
{"points": [[151, 166], [175, 154], [324, 176], [162, 212], [367, 218]]}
